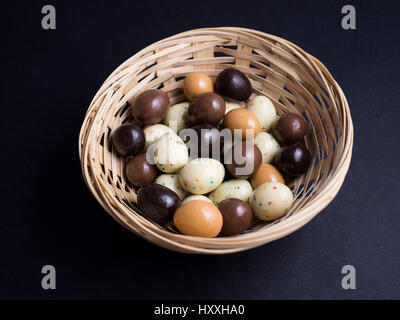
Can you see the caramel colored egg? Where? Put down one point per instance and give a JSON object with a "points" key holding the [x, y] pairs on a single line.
{"points": [[198, 218], [266, 173], [241, 119], [197, 83]]}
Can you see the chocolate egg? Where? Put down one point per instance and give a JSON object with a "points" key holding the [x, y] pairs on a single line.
{"points": [[266, 173], [128, 139], [290, 127], [157, 202], [294, 159], [268, 146], [234, 84], [242, 122], [234, 188], [243, 160], [171, 181], [263, 108], [150, 107], [271, 201], [198, 218], [197, 83], [196, 197], [204, 142], [236, 215], [139, 171], [208, 107], [176, 117]]}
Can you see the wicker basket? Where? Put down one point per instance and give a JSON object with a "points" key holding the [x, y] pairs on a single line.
{"points": [[293, 79]]}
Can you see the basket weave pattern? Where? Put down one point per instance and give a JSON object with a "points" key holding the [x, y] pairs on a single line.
{"points": [[294, 80]]}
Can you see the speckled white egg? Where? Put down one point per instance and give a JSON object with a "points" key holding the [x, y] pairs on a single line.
{"points": [[196, 197], [172, 181], [231, 105], [268, 146], [202, 175], [263, 108], [154, 132], [176, 117], [170, 153], [271, 201], [235, 188]]}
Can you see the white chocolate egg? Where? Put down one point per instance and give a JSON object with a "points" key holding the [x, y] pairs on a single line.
{"points": [[263, 108], [271, 201], [202, 175], [176, 117], [231, 105], [172, 181], [235, 188], [268, 146], [154, 132], [170, 153], [196, 197]]}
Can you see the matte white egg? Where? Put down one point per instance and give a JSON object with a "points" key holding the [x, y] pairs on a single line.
{"points": [[196, 197], [268, 146], [154, 132], [263, 108], [202, 175], [172, 181], [271, 201], [235, 188], [176, 117], [170, 153]]}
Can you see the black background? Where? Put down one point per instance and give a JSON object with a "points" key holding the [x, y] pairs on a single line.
{"points": [[49, 217]]}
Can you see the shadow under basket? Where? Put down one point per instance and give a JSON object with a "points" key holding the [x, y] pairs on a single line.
{"points": [[294, 80]]}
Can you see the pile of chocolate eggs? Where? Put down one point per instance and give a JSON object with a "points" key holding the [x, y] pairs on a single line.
{"points": [[215, 164]]}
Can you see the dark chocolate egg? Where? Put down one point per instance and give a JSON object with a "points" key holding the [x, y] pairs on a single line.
{"points": [[139, 171], [128, 139], [243, 159], [208, 107], [234, 84], [237, 216], [157, 202], [291, 127], [294, 159], [150, 107], [209, 142]]}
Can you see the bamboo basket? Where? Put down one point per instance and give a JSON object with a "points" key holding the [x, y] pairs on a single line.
{"points": [[294, 80]]}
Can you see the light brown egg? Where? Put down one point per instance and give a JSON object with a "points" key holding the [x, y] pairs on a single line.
{"points": [[198, 218], [266, 173], [197, 83], [241, 119]]}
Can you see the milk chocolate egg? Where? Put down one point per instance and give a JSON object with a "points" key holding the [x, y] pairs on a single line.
{"points": [[294, 159], [243, 159], [201, 176], [242, 122], [271, 201], [150, 107], [171, 181], [290, 127], [198, 218], [266, 173], [234, 188], [196, 197], [208, 107], [197, 83], [236, 215], [204, 142], [263, 108], [128, 139], [268, 146], [234, 84], [157, 202], [170, 153], [154, 132], [139, 171], [176, 117]]}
